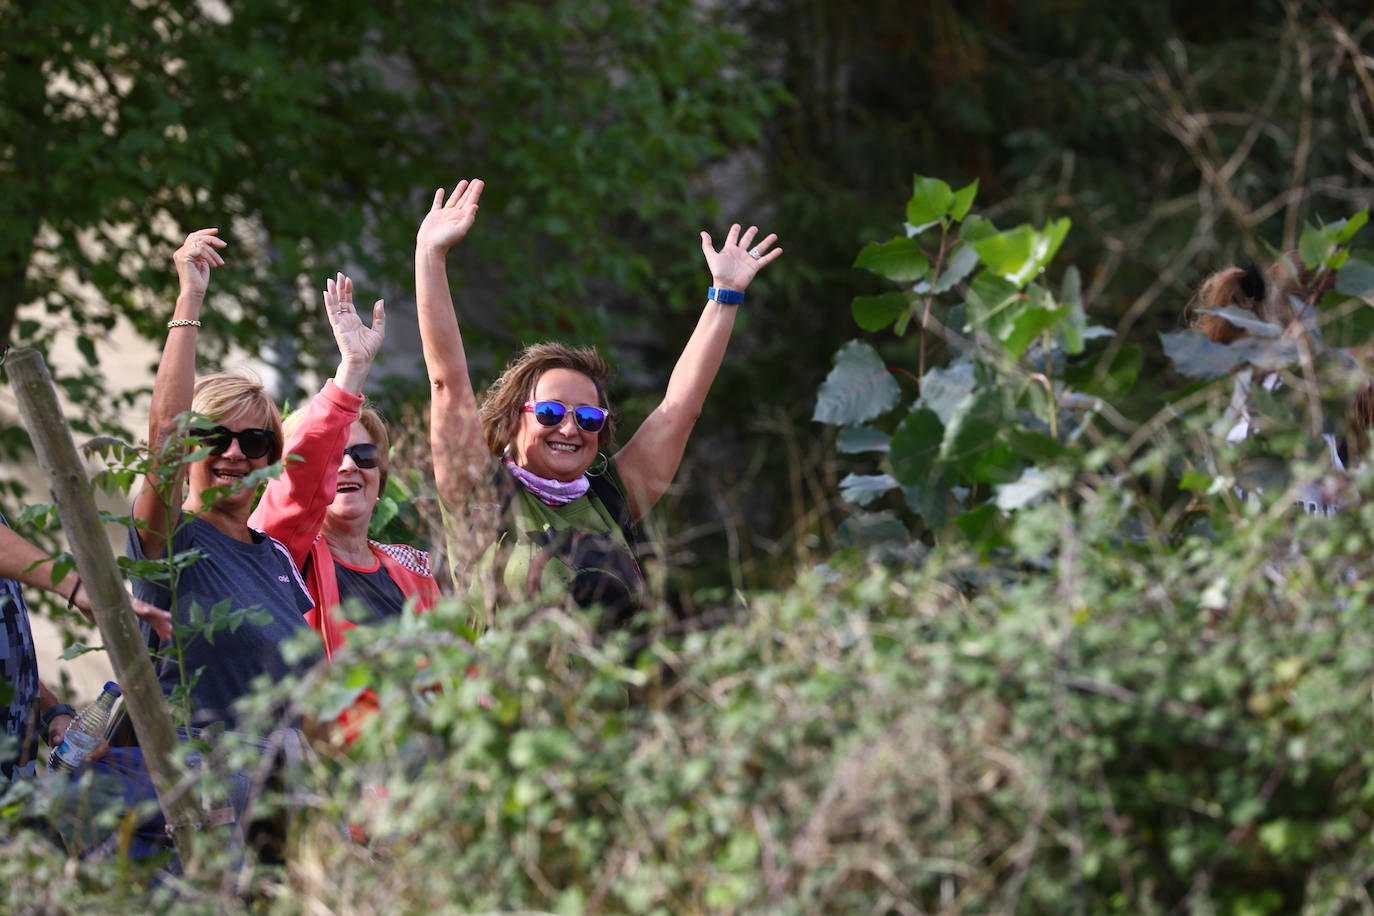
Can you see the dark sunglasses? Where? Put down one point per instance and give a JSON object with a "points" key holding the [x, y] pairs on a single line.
{"points": [[551, 413], [253, 442], [364, 454]]}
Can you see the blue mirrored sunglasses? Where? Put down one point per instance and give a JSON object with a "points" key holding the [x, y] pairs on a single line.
{"points": [[551, 413]]}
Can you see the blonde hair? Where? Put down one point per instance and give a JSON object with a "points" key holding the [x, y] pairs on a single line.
{"points": [[505, 399], [231, 394]]}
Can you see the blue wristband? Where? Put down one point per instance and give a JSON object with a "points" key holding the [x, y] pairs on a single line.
{"points": [[725, 296]]}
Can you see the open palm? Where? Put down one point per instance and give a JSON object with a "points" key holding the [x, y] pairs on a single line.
{"points": [[449, 221], [356, 340]]}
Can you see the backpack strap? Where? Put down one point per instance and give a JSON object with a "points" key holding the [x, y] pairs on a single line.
{"points": [[619, 508]]}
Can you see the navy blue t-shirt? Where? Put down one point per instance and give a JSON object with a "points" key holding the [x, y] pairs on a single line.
{"points": [[259, 576]]}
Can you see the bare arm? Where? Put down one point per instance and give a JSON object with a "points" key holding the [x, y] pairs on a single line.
{"points": [[650, 460], [173, 386], [293, 506], [455, 435], [30, 565]]}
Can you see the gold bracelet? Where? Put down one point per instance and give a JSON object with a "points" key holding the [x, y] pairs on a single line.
{"points": [[184, 323]]}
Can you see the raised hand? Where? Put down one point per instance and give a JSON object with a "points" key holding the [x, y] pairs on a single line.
{"points": [[447, 223], [739, 259], [357, 342], [194, 259]]}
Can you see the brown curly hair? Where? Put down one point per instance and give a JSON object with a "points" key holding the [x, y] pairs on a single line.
{"points": [[1275, 295], [505, 399]]}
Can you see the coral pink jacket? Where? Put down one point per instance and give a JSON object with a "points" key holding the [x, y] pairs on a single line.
{"points": [[293, 508]]}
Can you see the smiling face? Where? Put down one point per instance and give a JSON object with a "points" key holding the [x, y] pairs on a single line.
{"points": [[562, 452], [225, 472], [357, 489]]}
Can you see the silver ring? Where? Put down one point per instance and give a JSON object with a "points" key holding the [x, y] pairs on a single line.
{"points": [[754, 253]]}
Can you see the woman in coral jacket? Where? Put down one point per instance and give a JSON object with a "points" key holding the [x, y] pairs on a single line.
{"points": [[335, 472]]}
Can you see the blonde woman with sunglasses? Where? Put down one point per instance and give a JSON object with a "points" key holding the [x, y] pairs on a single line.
{"points": [[565, 498], [201, 507], [204, 505], [336, 470]]}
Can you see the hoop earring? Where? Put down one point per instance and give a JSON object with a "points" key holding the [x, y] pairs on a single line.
{"points": [[599, 465]]}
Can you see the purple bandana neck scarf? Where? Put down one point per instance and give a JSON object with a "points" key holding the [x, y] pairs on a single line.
{"points": [[550, 492]]}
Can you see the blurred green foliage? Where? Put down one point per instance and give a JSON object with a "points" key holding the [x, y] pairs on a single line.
{"points": [[994, 631], [1095, 678]]}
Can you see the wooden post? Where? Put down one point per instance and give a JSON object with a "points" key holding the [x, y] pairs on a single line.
{"points": [[52, 441]]}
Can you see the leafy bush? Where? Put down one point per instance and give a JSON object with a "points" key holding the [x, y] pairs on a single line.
{"points": [[1065, 668]]}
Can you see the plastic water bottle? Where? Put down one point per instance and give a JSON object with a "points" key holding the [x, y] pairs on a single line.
{"points": [[85, 731]]}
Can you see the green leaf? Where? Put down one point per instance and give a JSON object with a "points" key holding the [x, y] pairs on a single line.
{"points": [[959, 266], [1110, 381], [859, 388], [975, 229], [963, 200], [386, 510], [916, 446], [1026, 323], [1318, 243], [988, 296], [87, 347], [540, 748], [873, 313], [984, 527], [38, 515], [1356, 278], [1346, 321], [853, 440], [1007, 253], [1034, 485], [1245, 320], [1195, 481], [862, 489], [997, 462], [1034, 446], [1021, 253], [1347, 228], [1071, 289], [945, 390], [930, 202], [929, 499], [866, 528], [76, 650], [62, 564], [974, 428], [900, 260], [1194, 355]]}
